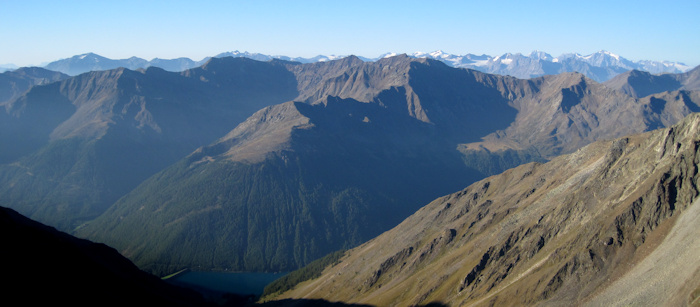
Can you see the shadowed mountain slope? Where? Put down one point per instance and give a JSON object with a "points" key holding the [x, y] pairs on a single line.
{"points": [[591, 228], [43, 266], [292, 183], [80, 144], [12, 85], [15, 83]]}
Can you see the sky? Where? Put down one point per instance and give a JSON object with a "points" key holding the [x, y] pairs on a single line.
{"points": [[34, 32]]}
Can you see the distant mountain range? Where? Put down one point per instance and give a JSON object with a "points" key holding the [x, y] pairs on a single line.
{"points": [[241, 164], [600, 66], [92, 62]]}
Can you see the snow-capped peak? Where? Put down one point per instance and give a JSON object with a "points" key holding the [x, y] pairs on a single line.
{"points": [[420, 54], [388, 55], [600, 54], [540, 55], [506, 58], [90, 56], [617, 57], [565, 56], [325, 58], [439, 54]]}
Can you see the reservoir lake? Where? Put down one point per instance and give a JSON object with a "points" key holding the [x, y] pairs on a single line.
{"points": [[238, 283]]}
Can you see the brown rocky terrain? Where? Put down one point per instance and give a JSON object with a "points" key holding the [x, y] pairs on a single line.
{"points": [[613, 223]]}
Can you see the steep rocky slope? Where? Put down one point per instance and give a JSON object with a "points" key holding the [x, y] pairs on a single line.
{"points": [[613, 223]]}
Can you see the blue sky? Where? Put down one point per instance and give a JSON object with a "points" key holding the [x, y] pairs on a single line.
{"points": [[35, 32]]}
